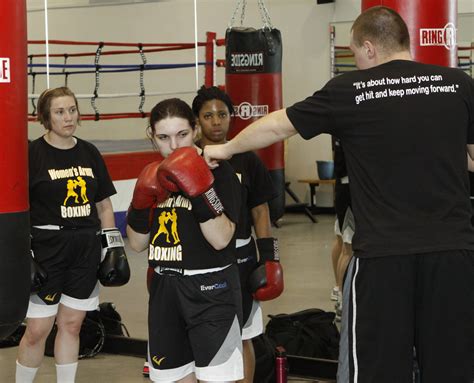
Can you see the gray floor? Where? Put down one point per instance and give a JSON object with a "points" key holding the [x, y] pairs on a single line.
{"points": [[305, 250]]}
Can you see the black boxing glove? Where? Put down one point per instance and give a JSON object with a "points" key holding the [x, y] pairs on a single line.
{"points": [[114, 269], [38, 275]]}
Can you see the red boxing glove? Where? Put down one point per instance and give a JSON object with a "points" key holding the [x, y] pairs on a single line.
{"points": [[186, 170], [266, 281], [148, 190], [147, 193]]}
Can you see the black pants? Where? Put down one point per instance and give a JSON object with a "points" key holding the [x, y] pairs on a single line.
{"points": [[394, 304]]}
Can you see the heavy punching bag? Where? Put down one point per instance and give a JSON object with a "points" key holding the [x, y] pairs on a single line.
{"points": [[14, 209], [432, 27], [253, 82]]}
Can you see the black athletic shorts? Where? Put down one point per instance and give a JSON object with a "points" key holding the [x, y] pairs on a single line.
{"points": [[71, 259], [195, 318], [395, 304]]}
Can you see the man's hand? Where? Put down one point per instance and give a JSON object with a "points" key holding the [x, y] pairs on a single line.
{"points": [[214, 153]]}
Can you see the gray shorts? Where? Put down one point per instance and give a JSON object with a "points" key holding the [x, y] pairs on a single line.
{"points": [[251, 310]]}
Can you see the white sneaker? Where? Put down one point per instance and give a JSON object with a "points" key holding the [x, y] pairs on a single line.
{"points": [[334, 293]]}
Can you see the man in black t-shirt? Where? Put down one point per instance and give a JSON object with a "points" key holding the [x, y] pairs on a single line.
{"points": [[405, 127]]}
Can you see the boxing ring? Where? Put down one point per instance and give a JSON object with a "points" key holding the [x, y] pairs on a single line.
{"points": [[39, 64], [125, 158], [71, 59]]}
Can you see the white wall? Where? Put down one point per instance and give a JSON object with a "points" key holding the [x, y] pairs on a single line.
{"points": [[465, 6], [346, 10], [465, 33]]}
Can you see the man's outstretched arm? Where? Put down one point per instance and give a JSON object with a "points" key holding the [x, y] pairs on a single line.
{"points": [[265, 131]]}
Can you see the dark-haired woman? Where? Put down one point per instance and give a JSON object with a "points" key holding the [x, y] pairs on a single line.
{"points": [[194, 316]]}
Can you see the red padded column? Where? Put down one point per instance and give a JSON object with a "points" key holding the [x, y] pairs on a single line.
{"points": [[432, 25], [14, 214]]}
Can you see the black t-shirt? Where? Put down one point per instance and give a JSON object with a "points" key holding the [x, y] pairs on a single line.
{"points": [[405, 127], [176, 239], [65, 185], [257, 188]]}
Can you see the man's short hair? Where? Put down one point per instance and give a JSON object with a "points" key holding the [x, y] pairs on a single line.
{"points": [[383, 27]]}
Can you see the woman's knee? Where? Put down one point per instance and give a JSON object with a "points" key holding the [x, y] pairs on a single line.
{"points": [[71, 327], [37, 330], [70, 323]]}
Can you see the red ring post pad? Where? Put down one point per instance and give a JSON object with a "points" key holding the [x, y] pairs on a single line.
{"points": [[14, 206], [432, 25], [253, 82]]}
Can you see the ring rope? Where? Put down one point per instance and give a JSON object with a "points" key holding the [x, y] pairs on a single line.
{"points": [[347, 64], [112, 66], [97, 68], [129, 51], [347, 48], [133, 68], [122, 95], [102, 116], [109, 43]]}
